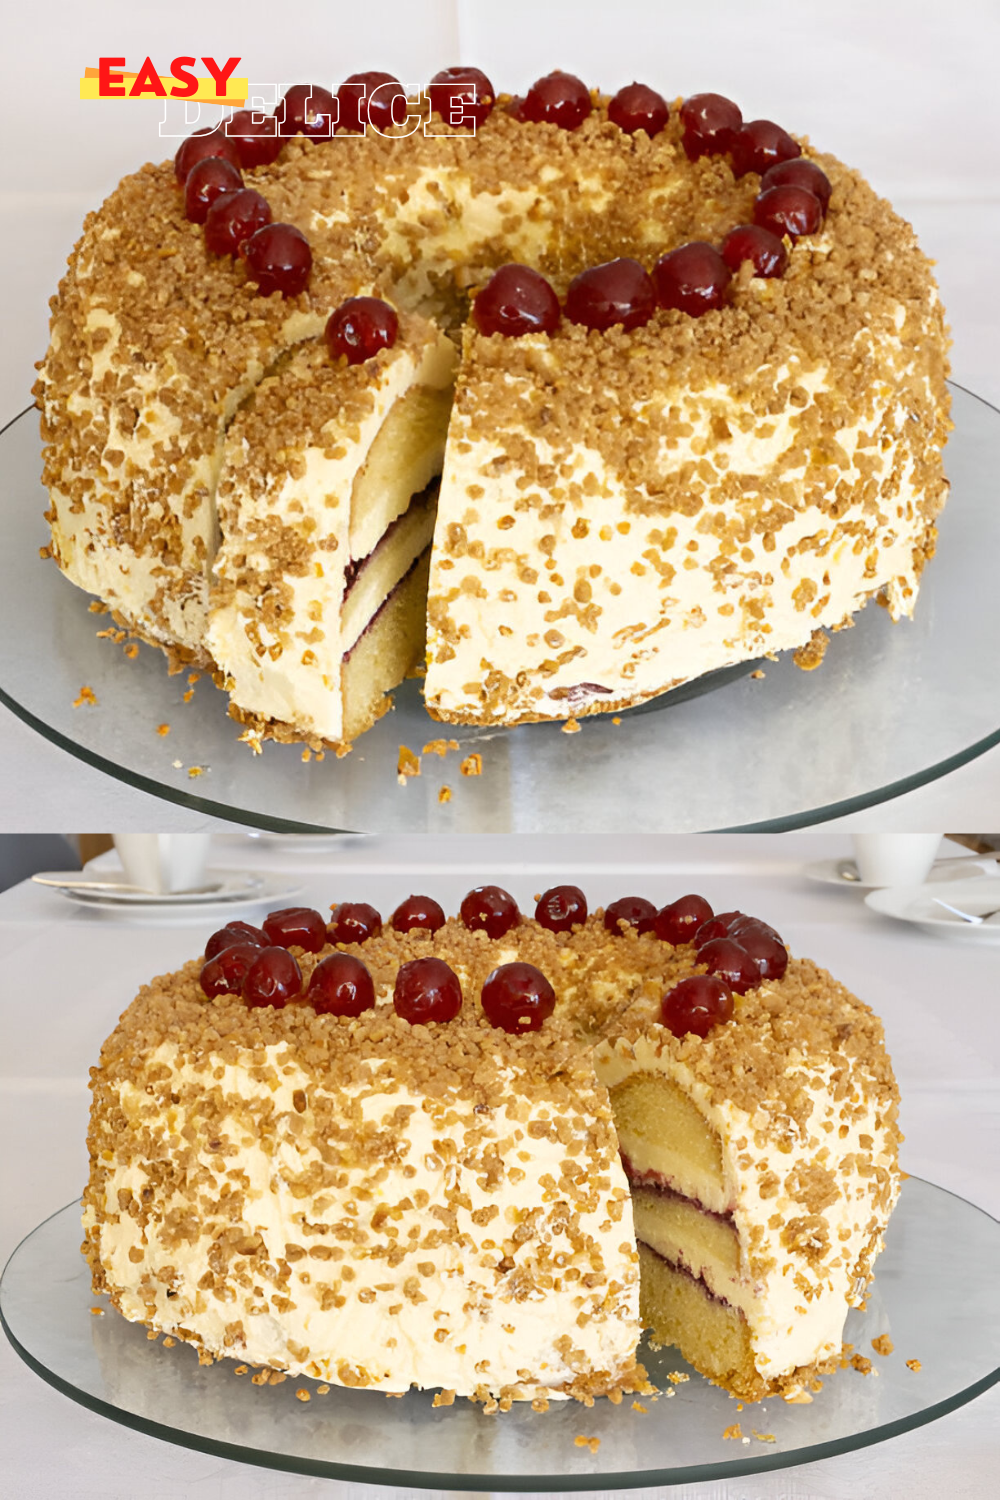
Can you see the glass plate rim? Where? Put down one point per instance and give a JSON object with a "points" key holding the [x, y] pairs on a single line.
{"points": [[207, 806], [425, 1479]]}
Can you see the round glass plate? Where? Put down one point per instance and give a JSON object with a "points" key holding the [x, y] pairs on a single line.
{"points": [[892, 707], [936, 1295]]}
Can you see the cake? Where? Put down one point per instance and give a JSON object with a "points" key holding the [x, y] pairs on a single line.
{"points": [[717, 435], [480, 1154]]}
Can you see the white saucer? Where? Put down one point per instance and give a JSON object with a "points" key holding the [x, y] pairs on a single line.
{"points": [[951, 867], [221, 888], [915, 903]]}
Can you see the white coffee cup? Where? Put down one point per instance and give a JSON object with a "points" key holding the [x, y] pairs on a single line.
{"points": [[164, 862], [895, 858]]}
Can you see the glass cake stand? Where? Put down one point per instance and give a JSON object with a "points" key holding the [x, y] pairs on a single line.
{"points": [[111, 1367], [892, 707]]}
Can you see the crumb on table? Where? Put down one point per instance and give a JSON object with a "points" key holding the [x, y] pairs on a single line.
{"points": [[883, 1344], [472, 765], [444, 795], [593, 1443], [914, 1365], [87, 695], [735, 1432], [439, 747], [407, 765]]}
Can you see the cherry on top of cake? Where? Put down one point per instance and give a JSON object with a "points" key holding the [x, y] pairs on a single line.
{"points": [[738, 953], [693, 278]]}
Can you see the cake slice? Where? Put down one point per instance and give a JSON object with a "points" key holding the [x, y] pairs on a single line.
{"points": [[327, 506]]}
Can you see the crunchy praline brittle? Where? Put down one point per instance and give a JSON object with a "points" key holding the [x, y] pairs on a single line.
{"points": [[287, 1187]]}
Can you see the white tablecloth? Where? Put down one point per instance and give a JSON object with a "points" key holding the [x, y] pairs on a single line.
{"points": [[67, 972]]}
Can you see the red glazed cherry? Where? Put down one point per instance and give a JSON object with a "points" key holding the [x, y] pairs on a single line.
{"points": [[636, 911], [279, 259], [760, 247], [739, 922], [561, 908], [799, 172], [420, 912], [491, 910], [202, 144], [353, 922], [678, 922], [715, 927], [257, 139], [696, 1004], [636, 107], [693, 278], [233, 219], [788, 210], [208, 180], [711, 123], [619, 291], [516, 300], [224, 974], [462, 96], [518, 998], [760, 145], [371, 97], [360, 327], [557, 99], [427, 990], [726, 958], [296, 926], [272, 979], [307, 109], [767, 951], [232, 933], [341, 986]]}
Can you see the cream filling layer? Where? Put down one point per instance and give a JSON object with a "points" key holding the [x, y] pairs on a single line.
{"points": [[460, 1316]]}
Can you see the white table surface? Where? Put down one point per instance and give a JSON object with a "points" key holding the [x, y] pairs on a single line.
{"points": [[905, 89], [67, 972]]}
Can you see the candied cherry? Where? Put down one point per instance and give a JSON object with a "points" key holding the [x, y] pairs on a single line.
{"points": [[427, 990], [307, 109], [353, 922], [233, 219], [490, 909], [800, 172], [619, 291], [678, 922], [637, 107], [370, 97], [697, 1004], [715, 927], [557, 99], [340, 985], [710, 125], [518, 997], [208, 180], [740, 922], [788, 210], [762, 144], [726, 958], [693, 278], [273, 978], [225, 972], [257, 138], [516, 300], [296, 926], [421, 912], [232, 933], [766, 950], [360, 327], [562, 908], [462, 96], [278, 259], [760, 247], [634, 911], [204, 143]]}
